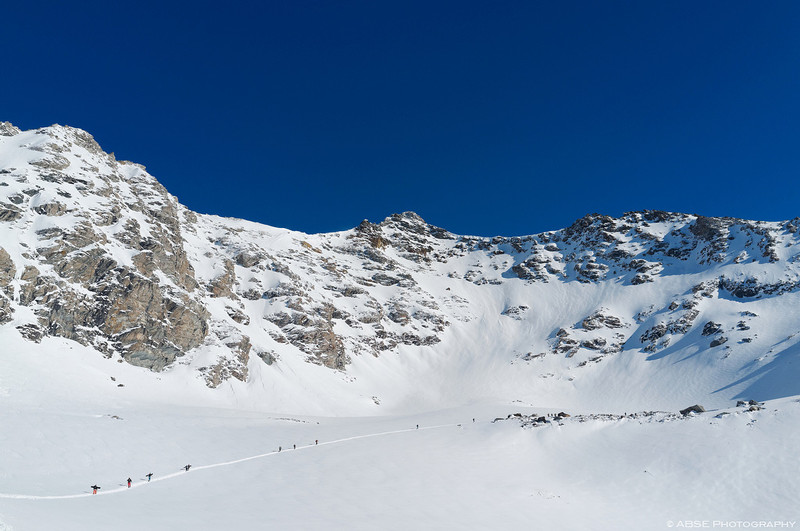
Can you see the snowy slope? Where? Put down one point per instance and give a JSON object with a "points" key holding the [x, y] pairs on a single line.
{"points": [[138, 336], [685, 308], [637, 471]]}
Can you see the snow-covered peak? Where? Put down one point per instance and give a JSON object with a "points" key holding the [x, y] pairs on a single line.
{"points": [[95, 251]]}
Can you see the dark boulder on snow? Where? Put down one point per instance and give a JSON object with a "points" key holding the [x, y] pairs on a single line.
{"points": [[719, 341], [754, 405], [693, 409], [711, 328]]}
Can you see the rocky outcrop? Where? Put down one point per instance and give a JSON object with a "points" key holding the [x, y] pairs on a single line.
{"points": [[697, 408], [755, 288], [233, 365], [7, 272], [149, 327], [8, 129], [711, 328], [719, 341], [516, 312], [142, 311], [7, 269], [594, 336], [601, 319], [9, 212], [222, 286], [314, 335]]}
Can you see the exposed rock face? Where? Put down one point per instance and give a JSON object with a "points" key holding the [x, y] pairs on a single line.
{"points": [[7, 268], [230, 366], [9, 212], [8, 129], [719, 341], [102, 254], [752, 287], [516, 312], [7, 272], [599, 320], [711, 328], [143, 310], [693, 409], [312, 332], [222, 286]]}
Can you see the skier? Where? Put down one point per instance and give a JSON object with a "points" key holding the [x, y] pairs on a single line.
{"points": [[148, 476], [279, 448], [94, 489], [316, 441], [294, 447], [187, 467], [417, 426], [129, 482]]}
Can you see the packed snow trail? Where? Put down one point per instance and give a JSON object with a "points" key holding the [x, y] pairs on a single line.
{"points": [[214, 465]]}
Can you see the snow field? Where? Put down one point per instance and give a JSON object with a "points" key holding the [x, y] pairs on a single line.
{"points": [[384, 474]]}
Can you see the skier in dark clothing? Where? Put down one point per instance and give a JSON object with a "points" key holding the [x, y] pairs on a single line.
{"points": [[148, 476], [95, 489], [316, 441], [279, 448], [129, 482], [294, 447], [187, 467]]}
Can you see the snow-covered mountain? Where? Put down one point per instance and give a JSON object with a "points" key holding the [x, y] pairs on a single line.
{"points": [[95, 250], [426, 380]]}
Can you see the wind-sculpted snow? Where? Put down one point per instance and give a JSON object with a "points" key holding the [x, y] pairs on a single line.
{"points": [[96, 251]]}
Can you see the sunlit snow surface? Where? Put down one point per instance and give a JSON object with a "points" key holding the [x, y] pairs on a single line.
{"points": [[71, 418], [66, 426]]}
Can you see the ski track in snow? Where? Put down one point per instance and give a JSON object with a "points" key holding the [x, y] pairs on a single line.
{"points": [[215, 465]]}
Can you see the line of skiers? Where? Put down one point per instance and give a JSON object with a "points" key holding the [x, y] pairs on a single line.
{"points": [[294, 446], [95, 488], [149, 476]]}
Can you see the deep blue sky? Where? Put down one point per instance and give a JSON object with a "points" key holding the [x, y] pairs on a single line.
{"points": [[486, 118]]}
